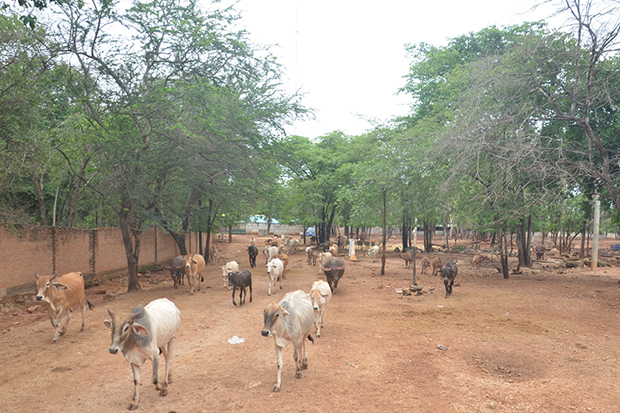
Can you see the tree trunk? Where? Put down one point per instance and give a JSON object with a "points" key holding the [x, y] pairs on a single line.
{"points": [[428, 236], [384, 235], [524, 242], [503, 250], [131, 242]]}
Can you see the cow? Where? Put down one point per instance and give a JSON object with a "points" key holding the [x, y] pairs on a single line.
{"points": [[334, 250], [213, 255], [309, 254], [450, 271], [437, 265], [476, 261], [240, 280], [273, 253], [408, 257], [290, 321], [323, 258], [275, 268], [194, 264], [231, 266], [320, 294], [176, 268], [373, 251], [426, 263], [334, 270], [61, 295], [540, 250], [285, 261], [252, 253], [141, 336], [291, 246]]}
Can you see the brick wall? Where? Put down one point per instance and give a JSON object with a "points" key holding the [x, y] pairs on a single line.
{"points": [[94, 252]]}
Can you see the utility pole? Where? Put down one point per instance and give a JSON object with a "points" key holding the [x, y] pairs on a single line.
{"points": [[595, 230]]}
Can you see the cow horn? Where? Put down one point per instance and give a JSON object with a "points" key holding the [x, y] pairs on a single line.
{"points": [[110, 312], [36, 275], [54, 276]]}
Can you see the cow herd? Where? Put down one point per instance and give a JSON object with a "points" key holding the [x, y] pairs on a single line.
{"points": [[151, 330]]}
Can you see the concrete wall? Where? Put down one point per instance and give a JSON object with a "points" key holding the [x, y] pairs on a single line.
{"points": [[94, 252]]}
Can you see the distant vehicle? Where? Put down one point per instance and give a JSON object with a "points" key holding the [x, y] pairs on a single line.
{"points": [[310, 232]]}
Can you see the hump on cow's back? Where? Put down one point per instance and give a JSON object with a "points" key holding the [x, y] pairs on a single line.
{"points": [[139, 309]]}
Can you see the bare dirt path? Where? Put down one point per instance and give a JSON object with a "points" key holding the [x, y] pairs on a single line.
{"points": [[543, 341]]}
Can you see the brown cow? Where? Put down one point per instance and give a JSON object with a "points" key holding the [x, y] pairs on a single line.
{"points": [[437, 265], [408, 257], [426, 263], [61, 295], [194, 264]]}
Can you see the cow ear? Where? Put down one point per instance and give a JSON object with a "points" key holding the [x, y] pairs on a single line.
{"points": [[139, 329], [107, 323], [59, 286], [324, 294], [283, 312]]}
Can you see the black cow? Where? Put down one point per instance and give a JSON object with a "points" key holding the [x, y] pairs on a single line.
{"points": [[240, 280], [252, 253], [450, 272], [177, 270], [334, 270]]}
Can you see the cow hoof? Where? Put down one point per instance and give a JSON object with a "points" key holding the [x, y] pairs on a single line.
{"points": [[163, 392], [276, 389], [132, 407]]}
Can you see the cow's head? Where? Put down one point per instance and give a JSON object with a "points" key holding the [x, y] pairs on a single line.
{"points": [[317, 298], [44, 282], [272, 314], [121, 327]]}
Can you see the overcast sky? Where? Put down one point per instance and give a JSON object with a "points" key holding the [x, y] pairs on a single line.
{"points": [[348, 56]]}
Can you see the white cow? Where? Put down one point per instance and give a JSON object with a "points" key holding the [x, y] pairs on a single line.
{"points": [[275, 270], [373, 251], [231, 266], [290, 321], [323, 258], [141, 335], [274, 252], [320, 294]]}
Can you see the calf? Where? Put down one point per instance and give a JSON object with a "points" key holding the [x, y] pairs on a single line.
{"points": [[177, 268], [252, 253], [284, 259], [275, 268], [240, 280], [450, 272], [321, 294], [290, 321], [437, 265], [231, 266], [408, 257], [194, 264], [426, 263], [373, 251], [334, 250], [213, 255], [141, 336], [334, 270], [61, 295], [309, 254]]}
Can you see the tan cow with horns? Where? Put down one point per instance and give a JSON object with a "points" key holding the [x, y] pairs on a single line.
{"points": [[61, 295]]}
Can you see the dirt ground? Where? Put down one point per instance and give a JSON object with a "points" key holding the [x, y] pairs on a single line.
{"points": [[546, 340]]}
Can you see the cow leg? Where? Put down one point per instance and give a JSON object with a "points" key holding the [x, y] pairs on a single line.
{"points": [[167, 351], [250, 293], [155, 363], [298, 356], [190, 281], [57, 324], [233, 296], [83, 305], [135, 400], [63, 330], [198, 279], [276, 386]]}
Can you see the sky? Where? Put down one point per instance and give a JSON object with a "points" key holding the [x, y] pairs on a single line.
{"points": [[348, 57]]}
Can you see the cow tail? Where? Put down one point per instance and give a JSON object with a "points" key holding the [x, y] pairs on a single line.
{"points": [[90, 305], [310, 338]]}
